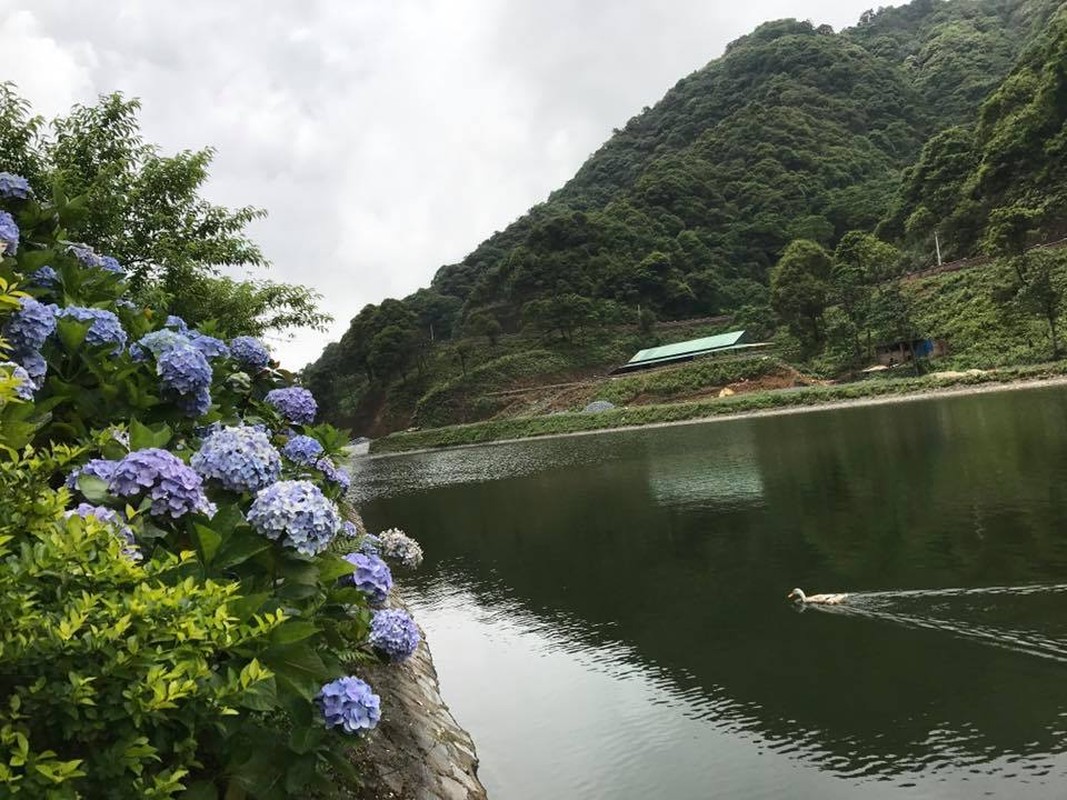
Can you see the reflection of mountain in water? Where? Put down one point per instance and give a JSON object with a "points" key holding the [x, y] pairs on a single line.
{"points": [[692, 590], [715, 476]]}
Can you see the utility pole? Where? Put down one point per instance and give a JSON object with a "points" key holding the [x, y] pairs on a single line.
{"points": [[431, 332], [937, 244]]}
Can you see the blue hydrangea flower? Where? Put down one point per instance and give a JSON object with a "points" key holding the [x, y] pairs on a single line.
{"points": [[394, 633], [302, 449], [45, 276], [174, 488], [250, 352], [9, 234], [176, 323], [209, 345], [241, 459], [349, 528], [86, 255], [398, 546], [196, 404], [371, 576], [335, 475], [98, 468], [14, 187], [370, 545], [35, 366], [296, 514], [25, 390], [183, 369], [295, 403], [157, 343], [115, 522], [111, 265], [104, 330], [27, 329], [349, 704]]}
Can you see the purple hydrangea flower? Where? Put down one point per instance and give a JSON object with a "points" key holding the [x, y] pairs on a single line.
{"points": [[157, 343], [394, 633], [335, 475], [349, 704], [196, 404], [45, 276], [104, 330], [174, 488], [27, 329], [111, 265], [14, 187], [370, 545], [241, 459], [250, 352], [296, 514], [349, 528], [35, 366], [176, 323], [25, 389], [209, 345], [302, 449], [371, 576], [97, 468], [183, 369], [295, 403], [116, 523], [398, 546], [86, 255], [9, 234]]}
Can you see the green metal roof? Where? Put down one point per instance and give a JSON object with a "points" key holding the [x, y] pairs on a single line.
{"points": [[693, 347]]}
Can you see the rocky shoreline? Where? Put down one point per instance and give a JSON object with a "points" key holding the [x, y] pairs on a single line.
{"points": [[418, 751]]}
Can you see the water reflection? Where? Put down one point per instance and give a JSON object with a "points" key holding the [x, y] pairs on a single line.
{"points": [[631, 589]]}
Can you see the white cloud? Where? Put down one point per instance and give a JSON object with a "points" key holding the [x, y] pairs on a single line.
{"points": [[384, 139]]}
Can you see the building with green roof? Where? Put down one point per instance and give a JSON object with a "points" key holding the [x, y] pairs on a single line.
{"points": [[732, 342]]}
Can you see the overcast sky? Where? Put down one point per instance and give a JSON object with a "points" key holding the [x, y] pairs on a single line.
{"points": [[384, 137]]}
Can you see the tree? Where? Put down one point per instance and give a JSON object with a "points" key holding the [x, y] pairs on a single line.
{"points": [[144, 209], [484, 324], [860, 260], [800, 287]]}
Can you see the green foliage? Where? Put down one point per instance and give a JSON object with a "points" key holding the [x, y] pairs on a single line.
{"points": [[800, 287]]}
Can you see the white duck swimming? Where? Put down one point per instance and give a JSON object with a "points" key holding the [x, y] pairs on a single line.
{"points": [[816, 599]]}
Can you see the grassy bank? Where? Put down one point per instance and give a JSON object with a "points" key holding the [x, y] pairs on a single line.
{"points": [[525, 427]]}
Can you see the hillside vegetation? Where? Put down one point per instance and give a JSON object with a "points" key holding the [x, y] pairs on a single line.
{"points": [[787, 184]]}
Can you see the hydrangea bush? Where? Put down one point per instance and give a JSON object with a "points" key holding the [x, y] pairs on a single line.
{"points": [[208, 642]]}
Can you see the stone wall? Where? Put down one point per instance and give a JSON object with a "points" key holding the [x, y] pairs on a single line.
{"points": [[418, 751]]}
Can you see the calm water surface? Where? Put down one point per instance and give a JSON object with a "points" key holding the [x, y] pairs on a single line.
{"points": [[608, 614]]}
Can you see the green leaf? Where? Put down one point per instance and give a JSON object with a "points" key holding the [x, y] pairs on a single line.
{"points": [[142, 436], [297, 666], [305, 573], [293, 631], [238, 547], [94, 488], [72, 333], [260, 696], [332, 567], [201, 790], [243, 608], [208, 541]]}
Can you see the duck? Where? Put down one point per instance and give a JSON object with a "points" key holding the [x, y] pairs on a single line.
{"points": [[800, 598]]}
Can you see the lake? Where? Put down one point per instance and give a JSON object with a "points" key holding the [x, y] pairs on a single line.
{"points": [[608, 616]]}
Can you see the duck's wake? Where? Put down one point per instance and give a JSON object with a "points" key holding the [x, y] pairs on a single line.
{"points": [[880, 606]]}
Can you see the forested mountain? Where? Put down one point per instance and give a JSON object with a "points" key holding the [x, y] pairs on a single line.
{"points": [[922, 117]]}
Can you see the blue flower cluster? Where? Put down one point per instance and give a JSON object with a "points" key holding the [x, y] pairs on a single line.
{"points": [[97, 468], [45, 276], [332, 473], [104, 330], [241, 459], [296, 514], [394, 633], [27, 329], [250, 352], [349, 704], [184, 370], [177, 323], [89, 258], [371, 576], [302, 449], [157, 343], [195, 405], [295, 403], [25, 389], [174, 488], [370, 545], [14, 187], [398, 546], [208, 345], [117, 524], [112, 265], [9, 234]]}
